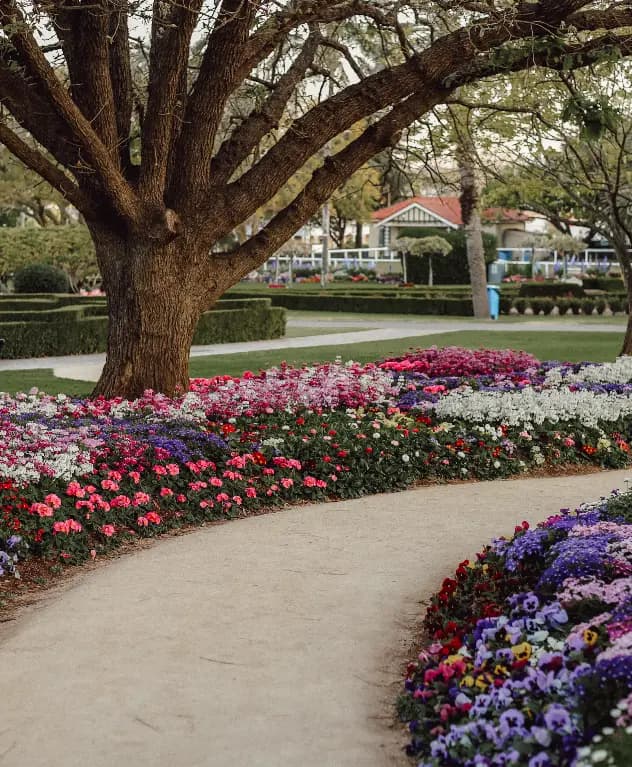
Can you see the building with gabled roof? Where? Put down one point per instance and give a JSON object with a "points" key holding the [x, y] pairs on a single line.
{"points": [[443, 212]]}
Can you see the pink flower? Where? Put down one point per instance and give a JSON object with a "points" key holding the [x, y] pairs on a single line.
{"points": [[173, 469], [74, 488], [134, 476], [41, 509], [287, 482], [53, 500], [166, 492], [108, 530], [140, 499], [222, 497], [142, 521], [153, 517], [121, 501], [109, 484], [251, 492], [215, 481], [159, 470]]}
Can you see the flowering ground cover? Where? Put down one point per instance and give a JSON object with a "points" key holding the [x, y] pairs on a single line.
{"points": [[530, 660], [78, 477]]}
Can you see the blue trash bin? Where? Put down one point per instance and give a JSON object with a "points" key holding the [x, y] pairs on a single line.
{"points": [[493, 297]]}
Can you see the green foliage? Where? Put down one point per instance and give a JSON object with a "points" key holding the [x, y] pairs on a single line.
{"points": [[67, 247], [375, 302], [550, 289], [594, 116], [588, 306], [40, 278], [453, 268], [424, 246], [70, 329], [609, 284]]}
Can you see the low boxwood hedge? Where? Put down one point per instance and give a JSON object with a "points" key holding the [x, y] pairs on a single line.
{"points": [[76, 334], [402, 303], [551, 289]]}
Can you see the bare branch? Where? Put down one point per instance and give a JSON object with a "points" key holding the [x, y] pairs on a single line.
{"points": [[246, 137], [120, 194], [41, 165], [215, 82], [332, 174], [172, 27]]}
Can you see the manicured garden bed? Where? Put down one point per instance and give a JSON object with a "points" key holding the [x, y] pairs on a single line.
{"points": [[79, 478], [529, 653]]}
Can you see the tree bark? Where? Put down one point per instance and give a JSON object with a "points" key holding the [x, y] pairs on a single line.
{"points": [[471, 214], [359, 229], [626, 349], [154, 304]]}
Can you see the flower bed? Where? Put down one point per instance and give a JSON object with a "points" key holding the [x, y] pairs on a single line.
{"points": [[531, 655], [79, 477]]}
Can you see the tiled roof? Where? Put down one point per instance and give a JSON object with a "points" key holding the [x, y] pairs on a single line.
{"points": [[449, 208]]}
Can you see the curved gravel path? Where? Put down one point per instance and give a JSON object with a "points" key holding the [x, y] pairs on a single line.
{"points": [[274, 641]]}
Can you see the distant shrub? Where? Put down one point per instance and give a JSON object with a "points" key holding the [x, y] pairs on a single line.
{"points": [[40, 278]]}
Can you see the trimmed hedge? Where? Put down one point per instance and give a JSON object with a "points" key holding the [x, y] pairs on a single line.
{"points": [[76, 334], [372, 304], [61, 314], [608, 284], [550, 289]]}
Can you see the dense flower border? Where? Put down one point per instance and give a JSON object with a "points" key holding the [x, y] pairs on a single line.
{"points": [[531, 662], [79, 477]]}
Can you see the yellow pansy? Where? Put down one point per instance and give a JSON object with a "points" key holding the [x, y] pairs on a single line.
{"points": [[522, 651]]}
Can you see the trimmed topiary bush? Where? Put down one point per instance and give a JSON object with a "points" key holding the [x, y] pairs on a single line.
{"points": [[40, 278], [575, 305], [588, 306]]}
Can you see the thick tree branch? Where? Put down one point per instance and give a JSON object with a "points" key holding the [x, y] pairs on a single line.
{"points": [[215, 82], [615, 17], [439, 65], [83, 33], [172, 28], [330, 176], [49, 172], [248, 135], [121, 77], [119, 193], [36, 116]]}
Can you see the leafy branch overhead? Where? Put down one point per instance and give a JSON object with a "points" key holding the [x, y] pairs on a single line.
{"points": [[172, 124], [165, 155]]}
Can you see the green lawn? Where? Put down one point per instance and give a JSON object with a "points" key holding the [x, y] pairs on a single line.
{"points": [[573, 347]]}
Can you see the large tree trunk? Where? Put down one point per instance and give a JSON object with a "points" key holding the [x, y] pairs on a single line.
{"points": [[476, 262], [619, 240], [155, 299], [471, 214], [626, 349]]}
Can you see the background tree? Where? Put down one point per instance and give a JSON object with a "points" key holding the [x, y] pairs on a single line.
{"points": [[577, 171], [354, 202], [162, 176], [423, 247]]}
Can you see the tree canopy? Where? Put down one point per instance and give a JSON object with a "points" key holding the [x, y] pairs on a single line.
{"points": [[170, 124]]}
